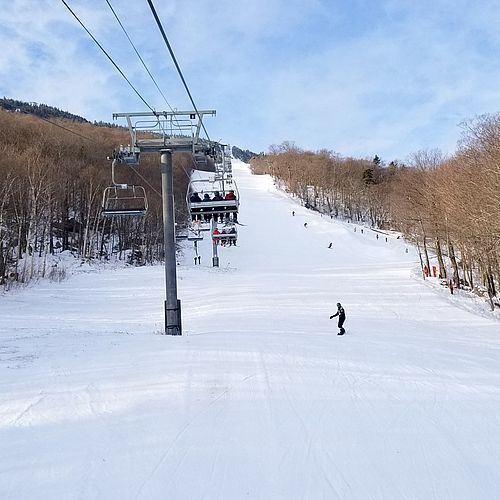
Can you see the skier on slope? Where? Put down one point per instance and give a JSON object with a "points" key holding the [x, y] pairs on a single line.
{"points": [[341, 314]]}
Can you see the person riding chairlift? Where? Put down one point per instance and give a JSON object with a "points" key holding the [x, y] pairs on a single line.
{"points": [[207, 215], [216, 232], [195, 212], [231, 197], [218, 209]]}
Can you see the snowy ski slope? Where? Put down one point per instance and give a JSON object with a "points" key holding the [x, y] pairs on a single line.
{"points": [[259, 399]]}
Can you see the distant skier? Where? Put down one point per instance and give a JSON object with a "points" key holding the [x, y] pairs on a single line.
{"points": [[330, 245], [341, 314], [293, 213], [305, 224]]}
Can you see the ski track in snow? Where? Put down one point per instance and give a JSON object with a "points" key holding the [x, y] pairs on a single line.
{"points": [[259, 398]]}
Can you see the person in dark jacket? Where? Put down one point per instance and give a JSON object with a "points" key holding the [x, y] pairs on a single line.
{"points": [[195, 212], [218, 209], [341, 314], [206, 211]]}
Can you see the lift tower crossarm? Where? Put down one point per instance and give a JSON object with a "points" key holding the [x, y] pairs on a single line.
{"points": [[210, 112], [175, 130]]}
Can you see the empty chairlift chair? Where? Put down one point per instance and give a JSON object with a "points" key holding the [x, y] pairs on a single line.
{"points": [[123, 199]]}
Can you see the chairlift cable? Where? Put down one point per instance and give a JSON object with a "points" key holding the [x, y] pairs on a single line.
{"points": [[162, 31], [64, 128], [148, 183], [154, 189], [141, 59], [96, 142], [108, 56], [154, 81], [129, 82]]}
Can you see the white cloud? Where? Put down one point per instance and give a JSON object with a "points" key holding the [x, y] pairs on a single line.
{"points": [[389, 81]]}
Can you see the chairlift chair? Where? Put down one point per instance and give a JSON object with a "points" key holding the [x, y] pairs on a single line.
{"points": [[228, 234], [203, 211], [123, 199]]}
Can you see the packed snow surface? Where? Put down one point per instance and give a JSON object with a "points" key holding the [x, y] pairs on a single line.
{"points": [[259, 398]]}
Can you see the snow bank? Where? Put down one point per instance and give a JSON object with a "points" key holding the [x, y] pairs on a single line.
{"points": [[259, 398]]}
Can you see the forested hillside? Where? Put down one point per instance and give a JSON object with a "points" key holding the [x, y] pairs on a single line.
{"points": [[242, 154], [45, 111], [447, 206], [51, 187], [41, 110]]}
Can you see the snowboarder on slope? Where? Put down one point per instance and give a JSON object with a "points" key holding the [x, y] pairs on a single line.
{"points": [[341, 314]]}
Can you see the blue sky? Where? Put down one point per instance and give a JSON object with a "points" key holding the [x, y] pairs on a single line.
{"points": [[357, 77]]}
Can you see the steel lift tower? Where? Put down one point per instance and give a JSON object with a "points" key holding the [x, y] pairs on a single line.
{"points": [[167, 133]]}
